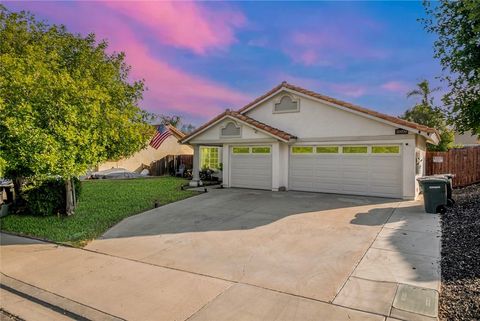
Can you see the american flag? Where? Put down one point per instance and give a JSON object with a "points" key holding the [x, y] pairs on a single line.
{"points": [[162, 133]]}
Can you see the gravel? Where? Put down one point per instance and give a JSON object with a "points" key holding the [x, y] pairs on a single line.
{"points": [[460, 294]]}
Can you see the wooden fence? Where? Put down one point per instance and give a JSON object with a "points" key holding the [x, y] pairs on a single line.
{"points": [[463, 162], [169, 164]]}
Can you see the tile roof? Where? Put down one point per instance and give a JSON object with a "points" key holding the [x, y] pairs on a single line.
{"points": [[254, 123], [335, 101]]}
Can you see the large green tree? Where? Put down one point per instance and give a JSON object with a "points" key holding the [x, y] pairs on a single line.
{"points": [[457, 25], [65, 103], [426, 113]]}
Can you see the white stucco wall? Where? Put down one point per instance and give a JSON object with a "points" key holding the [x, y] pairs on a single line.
{"points": [[420, 152], [316, 119], [148, 155]]}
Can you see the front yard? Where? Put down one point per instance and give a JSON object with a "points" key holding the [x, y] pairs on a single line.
{"points": [[460, 295], [103, 203]]}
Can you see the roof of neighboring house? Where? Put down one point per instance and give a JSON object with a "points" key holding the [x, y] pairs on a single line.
{"points": [[338, 102], [175, 131], [252, 122]]}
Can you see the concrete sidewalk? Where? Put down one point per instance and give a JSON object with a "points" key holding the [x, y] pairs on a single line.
{"points": [[397, 276]]}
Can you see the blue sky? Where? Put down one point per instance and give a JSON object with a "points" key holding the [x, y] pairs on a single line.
{"points": [[199, 58]]}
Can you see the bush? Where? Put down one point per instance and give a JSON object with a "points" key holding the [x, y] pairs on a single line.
{"points": [[47, 197]]}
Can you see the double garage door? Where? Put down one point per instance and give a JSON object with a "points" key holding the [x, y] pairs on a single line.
{"points": [[361, 170], [251, 167]]}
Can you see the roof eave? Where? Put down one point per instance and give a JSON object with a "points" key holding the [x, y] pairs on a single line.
{"points": [[188, 138]]}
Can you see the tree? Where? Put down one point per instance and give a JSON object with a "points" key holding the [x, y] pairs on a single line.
{"points": [[65, 103], [424, 91], [427, 114], [457, 25], [173, 120], [177, 122]]}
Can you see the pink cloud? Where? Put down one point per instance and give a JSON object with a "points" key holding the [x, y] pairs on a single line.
{"points": [[332, 44], [170, 89], [184, 24], [349, 90], [395, 86]]}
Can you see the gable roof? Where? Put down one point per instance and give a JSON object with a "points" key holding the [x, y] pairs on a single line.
{"points": [[175, 131], [277, 133], [369, 112]]}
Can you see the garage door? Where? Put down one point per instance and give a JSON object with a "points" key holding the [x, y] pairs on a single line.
{"points": [[360, 170], [251, 167]]}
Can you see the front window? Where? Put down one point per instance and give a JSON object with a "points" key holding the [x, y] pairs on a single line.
{"points": [[209, 158]]}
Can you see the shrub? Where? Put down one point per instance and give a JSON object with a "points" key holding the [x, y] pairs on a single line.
{"points": [[47, 197]]}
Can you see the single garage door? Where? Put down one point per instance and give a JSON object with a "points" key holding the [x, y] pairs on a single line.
{"points": [[251, 167], [360, 169]]}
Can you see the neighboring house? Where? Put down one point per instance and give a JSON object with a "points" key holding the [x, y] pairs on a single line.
{"points": [[295, 139], [466, 139], [145, 157]]}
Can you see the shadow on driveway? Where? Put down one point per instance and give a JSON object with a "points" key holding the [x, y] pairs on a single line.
{"points": [[240, 209]]}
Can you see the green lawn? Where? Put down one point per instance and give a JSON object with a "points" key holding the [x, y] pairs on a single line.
{"points": [[102, 204]]}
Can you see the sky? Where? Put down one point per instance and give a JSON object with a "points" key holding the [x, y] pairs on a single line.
{"points": [[200, 58]]}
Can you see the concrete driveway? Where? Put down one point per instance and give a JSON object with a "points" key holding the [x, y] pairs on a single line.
{"points": [[300, 243], [233, 254]]}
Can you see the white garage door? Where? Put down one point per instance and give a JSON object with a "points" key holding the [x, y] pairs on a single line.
{"points": [[360, 170], [251, 167]]}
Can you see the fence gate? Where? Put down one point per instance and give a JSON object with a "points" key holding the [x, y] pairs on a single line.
{"points": [[463, 162]]}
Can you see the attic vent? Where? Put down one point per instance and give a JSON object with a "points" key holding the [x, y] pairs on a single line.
{"points": [[286, 104], [230, 130]]}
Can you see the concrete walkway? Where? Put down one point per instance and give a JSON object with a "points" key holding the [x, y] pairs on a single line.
{"points": [[302, 257]]}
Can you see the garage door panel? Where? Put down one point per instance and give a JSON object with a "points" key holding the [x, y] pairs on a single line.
{"points": [[365, 174], [251, 170]]}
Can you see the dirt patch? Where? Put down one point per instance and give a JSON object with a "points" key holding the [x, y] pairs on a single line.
{"points": [[460, 295]]}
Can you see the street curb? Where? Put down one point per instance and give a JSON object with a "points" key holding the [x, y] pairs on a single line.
{"points": [[52, 301]]}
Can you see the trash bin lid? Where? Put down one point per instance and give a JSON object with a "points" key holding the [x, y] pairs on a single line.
{"points": [[432, 179], [444, 175]]}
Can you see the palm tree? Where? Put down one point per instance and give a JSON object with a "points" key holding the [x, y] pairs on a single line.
{"points": [[424, 91]]}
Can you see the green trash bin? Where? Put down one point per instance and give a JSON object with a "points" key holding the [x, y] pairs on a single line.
{"points": [[449, 177], [434, 193]]}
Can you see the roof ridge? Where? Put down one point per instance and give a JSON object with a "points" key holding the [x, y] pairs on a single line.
{"points": [[341, 103]]}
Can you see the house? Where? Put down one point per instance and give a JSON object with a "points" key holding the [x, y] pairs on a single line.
{"points": [[295, 139], [145, 157], [467, 139]]}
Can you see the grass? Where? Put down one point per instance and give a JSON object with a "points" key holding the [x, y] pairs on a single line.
{"points": [[102, 204]]}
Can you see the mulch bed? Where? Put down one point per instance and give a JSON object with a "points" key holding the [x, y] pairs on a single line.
{"points": [[460, 294]]}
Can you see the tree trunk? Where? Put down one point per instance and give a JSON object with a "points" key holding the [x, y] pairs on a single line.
{"points": [[70, 208], [17, 186]]}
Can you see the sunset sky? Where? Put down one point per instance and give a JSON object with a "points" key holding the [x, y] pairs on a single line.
{"points": [[198, 59]]}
